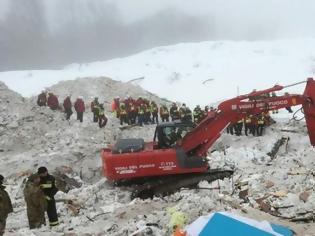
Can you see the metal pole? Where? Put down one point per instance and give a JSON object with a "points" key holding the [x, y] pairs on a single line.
{"points": [[290, 85]]}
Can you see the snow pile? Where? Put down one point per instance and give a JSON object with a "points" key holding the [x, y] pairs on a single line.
{"points": [[283, 186]]}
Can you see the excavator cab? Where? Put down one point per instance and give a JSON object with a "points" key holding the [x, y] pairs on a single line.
{"points": [[167, 135]]}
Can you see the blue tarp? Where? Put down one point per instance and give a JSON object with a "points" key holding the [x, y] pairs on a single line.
{"points": [[222, 225]]}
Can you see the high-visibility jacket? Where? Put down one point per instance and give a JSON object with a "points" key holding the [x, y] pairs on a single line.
{"points": [[248, 120], [240, 121], [261, 121]]}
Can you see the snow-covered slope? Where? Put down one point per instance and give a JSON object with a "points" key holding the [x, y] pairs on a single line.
{"points": [[177, 72]]}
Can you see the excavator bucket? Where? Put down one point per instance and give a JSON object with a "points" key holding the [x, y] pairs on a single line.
{"points": [[309, 109]]}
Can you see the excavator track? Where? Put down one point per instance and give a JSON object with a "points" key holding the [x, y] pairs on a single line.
{"points": [[166, 185]]}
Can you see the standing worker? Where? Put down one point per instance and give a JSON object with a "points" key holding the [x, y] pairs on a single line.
{"points": [[79, 108], [155, 112], [164, 113], [67, 105], [5, 206], [248, 125], [52, 101], [47, 184], [95, 109], [42, 99], [35, 202], [260, 124], [123, 114], [198, 114], [174, 112]]}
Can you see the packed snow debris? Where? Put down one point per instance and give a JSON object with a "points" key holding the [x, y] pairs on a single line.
{"points": [[33, 136]]}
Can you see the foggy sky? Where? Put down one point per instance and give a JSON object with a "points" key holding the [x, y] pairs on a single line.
{"points": [[37, 34]]}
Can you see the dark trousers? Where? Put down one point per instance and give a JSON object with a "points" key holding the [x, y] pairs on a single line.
{"points": [[2, 226], [132, 117], [141, 119], [95, 117], [248, 129], [52, 212], [230, 129], [80, 116], [238, 128], [260, 129], [123, 119], [165, 119], [155, 118], [68, 114]]}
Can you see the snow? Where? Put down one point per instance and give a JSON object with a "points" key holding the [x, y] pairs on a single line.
{"points": [[176, 72]]}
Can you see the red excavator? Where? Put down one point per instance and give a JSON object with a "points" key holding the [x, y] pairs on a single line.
{"points": [[177, 156]]}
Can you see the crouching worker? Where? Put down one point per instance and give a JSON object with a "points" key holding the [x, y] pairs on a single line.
{"points": [[35, 202], [102, 119]]}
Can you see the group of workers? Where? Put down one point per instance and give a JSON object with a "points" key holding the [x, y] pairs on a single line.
{"points": [[51, 100], [39, 192], [253, 124], [142, 111]]}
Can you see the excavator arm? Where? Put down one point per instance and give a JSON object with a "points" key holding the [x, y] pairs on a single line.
{"points": [[200, 139]]}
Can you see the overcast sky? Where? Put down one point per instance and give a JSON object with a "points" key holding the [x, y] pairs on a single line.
{"points": [[37, 34]]}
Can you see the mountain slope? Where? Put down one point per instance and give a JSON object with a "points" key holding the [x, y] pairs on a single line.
{"points": [[177, 72]]}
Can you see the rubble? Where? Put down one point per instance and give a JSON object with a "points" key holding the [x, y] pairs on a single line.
{"points": [[32, 136]]}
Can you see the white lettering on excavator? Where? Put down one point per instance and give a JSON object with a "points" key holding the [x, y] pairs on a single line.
{"points": [[167, 166], [246, 106], [132, 169], [277, 103], [147, 166]]}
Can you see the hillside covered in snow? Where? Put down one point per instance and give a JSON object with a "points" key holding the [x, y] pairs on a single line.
{"points": [[177, 72], [32, 136]]}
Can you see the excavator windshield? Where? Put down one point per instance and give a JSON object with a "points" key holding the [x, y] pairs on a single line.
{"points": [[167, 134]]}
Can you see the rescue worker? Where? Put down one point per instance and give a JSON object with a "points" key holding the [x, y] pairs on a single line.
{"points": [[174, 112], [52, 101], [239, 127], [248, 125], [155, 112], [67, 105], [79, 108], [115, 106], [182, 112], [254, 125], [102, 119], [5, 206], [147, 113], [48, 185], [198, 114], [164, 113], [141, 114], [188, 115], [42, 99], [273, 94], [230, 129], [95, 109], [132, 112], [123, 115], [260, 124], [35, 202]]}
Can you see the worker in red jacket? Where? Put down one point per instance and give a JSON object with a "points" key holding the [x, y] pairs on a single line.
{"points": [[79, 108], [52, 101], [67, 105]]}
